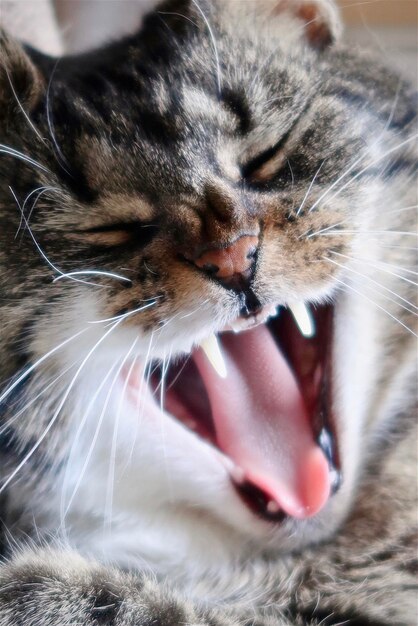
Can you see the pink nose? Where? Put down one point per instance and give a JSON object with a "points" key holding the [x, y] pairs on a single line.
{"points": [[234, 261]]}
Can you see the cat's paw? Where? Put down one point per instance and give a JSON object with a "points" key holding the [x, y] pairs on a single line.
{"points": [[50, 588]]}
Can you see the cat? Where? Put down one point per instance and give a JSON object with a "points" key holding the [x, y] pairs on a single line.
{"points": [[207, 309]]}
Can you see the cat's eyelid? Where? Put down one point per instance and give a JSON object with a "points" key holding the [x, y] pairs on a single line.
{"points": [[116, 233], [267, 170], [264, 166], [126, 225]]}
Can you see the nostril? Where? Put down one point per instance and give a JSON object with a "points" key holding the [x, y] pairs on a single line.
{"points": [[210, 268], [251, 253], [233, 263]]}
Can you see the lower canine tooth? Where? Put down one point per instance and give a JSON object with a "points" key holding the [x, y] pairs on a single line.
{"points": [[303, 318], [212, 349], [238, 475], [273, 507]]}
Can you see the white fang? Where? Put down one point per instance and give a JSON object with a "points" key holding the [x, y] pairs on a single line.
{"points": [[212, 349], [303, 318]]}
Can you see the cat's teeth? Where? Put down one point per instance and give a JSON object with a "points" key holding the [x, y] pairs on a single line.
{"points": [[272, 507], [212, 349], [237, 475], [303, 318]]}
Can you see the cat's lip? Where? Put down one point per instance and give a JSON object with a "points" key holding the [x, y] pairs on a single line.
{"points": [[196, 395], [241, 323]]}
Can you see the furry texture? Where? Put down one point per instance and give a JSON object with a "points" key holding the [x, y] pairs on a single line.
{"points": [[216, 120]]}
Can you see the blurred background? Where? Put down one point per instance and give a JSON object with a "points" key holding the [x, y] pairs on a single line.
{"points": [[388, 26], [380, 12]]}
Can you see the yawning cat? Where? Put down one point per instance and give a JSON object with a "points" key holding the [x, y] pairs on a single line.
{"points": [[207, 311]]}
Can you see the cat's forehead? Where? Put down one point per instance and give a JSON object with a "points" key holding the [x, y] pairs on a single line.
{"points": [[167, 129]]}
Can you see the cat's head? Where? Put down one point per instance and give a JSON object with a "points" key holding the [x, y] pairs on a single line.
{"points": [[206, 183]]}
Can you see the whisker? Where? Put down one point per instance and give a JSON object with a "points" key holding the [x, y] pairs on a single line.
{"points": [[368, 233], [41, 191], [91, 273], [29, 121], [58, 153], [350, 269], [214, 44], [356, 162], [390, 212], [179, 373], [166, 363], [56, 414], [199, 308], [81, 425], [376, 263], [112, 458], [378, 160], [398, 321], [30, 369], [22, 157], [410, 248], [125, 315], [38, 247], [140, 401], [34, 399], [382, 269], [94, 440], [309, 189]]}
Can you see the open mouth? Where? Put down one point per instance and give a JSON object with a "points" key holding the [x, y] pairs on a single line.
{"points": [[261, 396]]}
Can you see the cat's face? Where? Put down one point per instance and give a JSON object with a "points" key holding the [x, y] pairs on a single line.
{"points": [[202, 170]]}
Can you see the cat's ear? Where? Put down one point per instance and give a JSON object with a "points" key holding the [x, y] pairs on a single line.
{"points": [[21, 81], [323, 25]]}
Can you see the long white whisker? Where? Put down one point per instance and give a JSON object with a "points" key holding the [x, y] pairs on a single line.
{"points": [[95, 437], [91, 273], [377, 263], [368, 233], [125, 315], [22, 157], [166, 363], [309, 189], [358, 160], [350, 269], [328, 228], [40, 190], [140, 400], [214, 44], [81, 425], [15, 416], [30, 369], [199, 308], [38, 247], [112, 458], [398, 321], [386, 271], [58, 153], [29, 121], [57, 412]]}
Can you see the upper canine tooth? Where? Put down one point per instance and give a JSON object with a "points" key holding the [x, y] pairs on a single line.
{"points": [[212, 349], [303, 318]]}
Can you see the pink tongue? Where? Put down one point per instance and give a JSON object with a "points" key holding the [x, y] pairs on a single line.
{"points": [[262, 425]]}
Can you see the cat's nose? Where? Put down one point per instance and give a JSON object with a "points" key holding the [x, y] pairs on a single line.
{"points": [[233, 265]]}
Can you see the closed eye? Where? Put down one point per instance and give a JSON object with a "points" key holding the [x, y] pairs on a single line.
{"points": [[267, 164], [264, 166], [118, 233]]}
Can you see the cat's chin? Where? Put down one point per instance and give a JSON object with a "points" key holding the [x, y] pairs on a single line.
{"points": [[259, 394]]}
